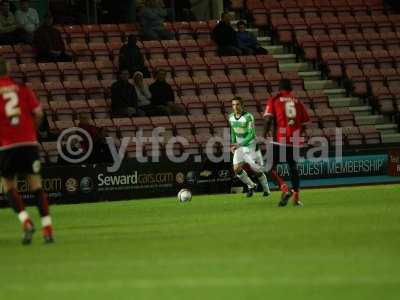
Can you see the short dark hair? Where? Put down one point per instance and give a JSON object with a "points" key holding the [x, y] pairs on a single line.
{"points": [[224, 14], [120, 71], [237, 98], [158, 70], [132, 37], [285, 85], [241, 22]]}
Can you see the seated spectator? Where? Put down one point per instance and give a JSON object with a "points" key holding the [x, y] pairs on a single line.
{"points": [[131, 58], [27, 17], [152, 17], [143, 95], [123, 96], [163, 97], [44, 131], [248, 40], [11, 32], [226, 38], [49, 44], [101, 151], [205, 10], [182, 11]]}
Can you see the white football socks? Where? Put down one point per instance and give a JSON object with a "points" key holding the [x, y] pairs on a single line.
{"points": [[246, 179], [264, 182], [23, 216], [46, 221]]}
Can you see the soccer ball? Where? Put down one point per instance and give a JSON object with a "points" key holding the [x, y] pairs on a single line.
{"points": [[184, 195]]}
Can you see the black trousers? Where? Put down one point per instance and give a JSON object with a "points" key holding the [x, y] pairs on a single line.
{"points": [[289, 155]]}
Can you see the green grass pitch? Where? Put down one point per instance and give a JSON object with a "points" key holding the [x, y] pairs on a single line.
{"points": [[343, 244]]}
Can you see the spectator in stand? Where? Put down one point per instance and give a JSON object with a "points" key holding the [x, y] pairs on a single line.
{"points": [[48, 43], [124, 100], [152, 17], [226, 38], [101, 152], [182, 10], [11, 32], [163, 97], [205, 10], [121, 11], [27, 17], [131, 58], [44, 131], [248, 40], [143, 95]]}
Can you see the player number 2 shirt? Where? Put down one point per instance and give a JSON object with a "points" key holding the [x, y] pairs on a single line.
{"points": [[17, 104]]}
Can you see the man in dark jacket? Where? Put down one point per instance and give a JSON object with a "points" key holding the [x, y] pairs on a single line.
{"points": [[225, 37], [131, 58], [123, 96], [248, 40], [162, 96], [48, 43]]}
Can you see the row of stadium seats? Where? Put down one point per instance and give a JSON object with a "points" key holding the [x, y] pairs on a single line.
{"points": [[105, 69], [99, 108], [81, 51], [119, 32], [264, 11], [199, 85], [350, 40], [321, 118], [326, 5]]}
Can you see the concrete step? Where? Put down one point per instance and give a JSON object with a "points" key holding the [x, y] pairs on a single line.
{"points": [[369, 120], [319, 84], [335, 93], [264, 40], [387, 128], [293, 67], [274, 49], [344, 102], [363, 110], [391, 137], [253, 31], [310, 75], [285, 58]]}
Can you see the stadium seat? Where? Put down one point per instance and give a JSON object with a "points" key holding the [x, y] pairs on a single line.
{"points": [[99, 107], [25, 53], [99, 50], [69, 70], [172, 48], [94, 33], [55, 90], [49, 71], [205, 85], [111, 32], [74, 34], [87, 69], [31, 71], [105, 69], [75, 90], [81, 51], [179, 66], [128, 29], [8, 52]]}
